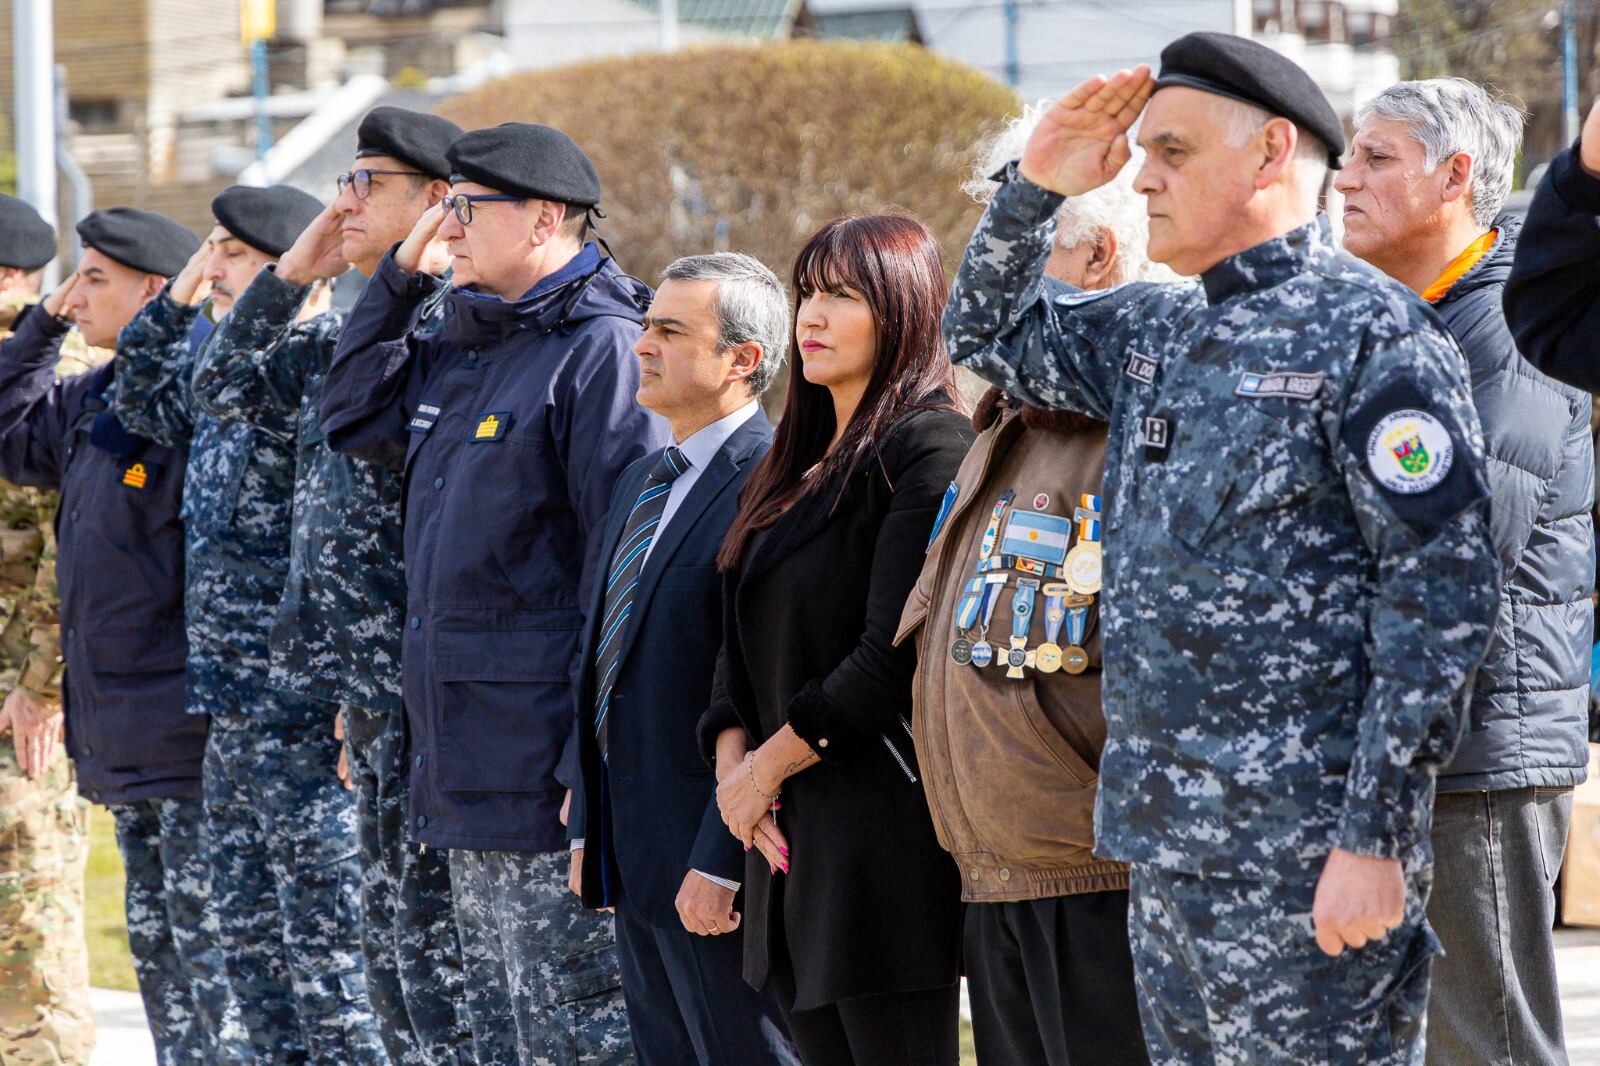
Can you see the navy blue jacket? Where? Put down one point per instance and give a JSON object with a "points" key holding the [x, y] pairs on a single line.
{"points": [[1529, 719], [1552, 299], [652, 806], [119, 568], [511, 425]]}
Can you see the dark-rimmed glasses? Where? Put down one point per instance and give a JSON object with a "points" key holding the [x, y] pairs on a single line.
{"points": [[361, 180], [461, 203]]}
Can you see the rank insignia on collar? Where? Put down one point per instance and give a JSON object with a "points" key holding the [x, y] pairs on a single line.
{"points": [[136, 476], [491, 425]]}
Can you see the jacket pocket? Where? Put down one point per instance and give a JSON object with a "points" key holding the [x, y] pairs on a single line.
{"points": [[133, 713], [505, 706]]}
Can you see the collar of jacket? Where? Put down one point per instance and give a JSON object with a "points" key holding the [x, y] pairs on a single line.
{"points": [[588, 287], [1270, 262], [995, 403], [1494, 268], [107, 433]]}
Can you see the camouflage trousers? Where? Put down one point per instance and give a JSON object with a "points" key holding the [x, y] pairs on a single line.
{"points": [[1229, 973], [543, 987], [174, 934], [44, 960], [408, 925], [287, 882]]}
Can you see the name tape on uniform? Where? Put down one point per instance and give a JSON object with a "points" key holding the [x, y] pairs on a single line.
{"points": [[427, 414], [1288, 385]]}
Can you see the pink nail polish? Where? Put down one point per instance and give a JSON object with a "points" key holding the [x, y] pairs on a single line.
{"points": [[773, 868], [747, 847], [785, 851], [785, 867]]}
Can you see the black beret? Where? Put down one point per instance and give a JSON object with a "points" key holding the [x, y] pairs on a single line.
{"points": [[266, 219], [524, 160], [1243, 69], [412, 137], [142, 240], [27, 241]]}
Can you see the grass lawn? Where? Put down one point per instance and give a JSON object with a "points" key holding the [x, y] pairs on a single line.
{"points": [[104, 922]]}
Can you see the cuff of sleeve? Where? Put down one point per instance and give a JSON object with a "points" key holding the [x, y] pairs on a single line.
{"points": [[731, 886], [576, 844], [47, 326], [1579, 189], [710, 727], [810, 715], [1022, 200], [407, 286], [1377, 830], [180, 317], [270, 293]]}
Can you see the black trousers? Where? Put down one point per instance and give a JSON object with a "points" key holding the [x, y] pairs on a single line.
{"points": [[899, 1029], [1051, 982], [687, 1001]]}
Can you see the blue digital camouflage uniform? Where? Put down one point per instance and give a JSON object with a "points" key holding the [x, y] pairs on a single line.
{"points": [[282, 829], [337, 637], [1298, 586]]}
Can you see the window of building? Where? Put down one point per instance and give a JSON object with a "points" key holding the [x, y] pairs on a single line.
{"points": [[92, 116]]}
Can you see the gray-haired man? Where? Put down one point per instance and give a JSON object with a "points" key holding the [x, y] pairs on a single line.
{"points": [[1429, 170], [714, 338]]}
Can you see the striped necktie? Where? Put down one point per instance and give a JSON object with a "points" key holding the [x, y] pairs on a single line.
{"points": [[623, 579]]}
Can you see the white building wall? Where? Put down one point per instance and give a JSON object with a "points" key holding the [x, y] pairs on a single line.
{"points": [[549, 33]]}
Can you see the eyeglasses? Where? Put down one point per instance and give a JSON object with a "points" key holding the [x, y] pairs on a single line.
{"points": [[461, 203], [361, 180]]}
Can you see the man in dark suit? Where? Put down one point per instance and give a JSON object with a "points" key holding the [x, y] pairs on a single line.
{"points": [[657, 850]]}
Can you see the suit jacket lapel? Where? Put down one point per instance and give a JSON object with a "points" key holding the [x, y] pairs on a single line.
{"points": [[711, 483], [610, 534]]}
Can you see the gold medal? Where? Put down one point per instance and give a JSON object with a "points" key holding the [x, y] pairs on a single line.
{"points": [[1083, 567], [1074, 660], [1047, 658]]}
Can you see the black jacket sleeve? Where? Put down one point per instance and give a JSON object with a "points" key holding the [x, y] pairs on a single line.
{"points": [[34, 407], [1552, 300], [864, 695]]}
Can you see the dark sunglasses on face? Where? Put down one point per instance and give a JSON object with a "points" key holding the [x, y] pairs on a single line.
{"points": [[461, 203], [361, 180]]}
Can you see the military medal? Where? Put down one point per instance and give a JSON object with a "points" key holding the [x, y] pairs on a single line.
{"points": [[1047, 656], [961, 651], [1017, 657], [1074, 660], [1084, 562], [982, 654]]}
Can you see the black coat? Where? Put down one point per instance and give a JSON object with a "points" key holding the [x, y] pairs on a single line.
{"points": [[1552, 299], [872, 903], [119, 568], [661, 818], [1529, 723]]}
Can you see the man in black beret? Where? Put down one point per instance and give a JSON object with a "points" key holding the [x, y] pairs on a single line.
{"points": [[27, 243], [1298, 577], [280, 828], [337, 633], [512, 423]]}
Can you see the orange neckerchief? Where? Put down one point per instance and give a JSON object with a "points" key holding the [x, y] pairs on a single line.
{"points": [[1459, 266]]}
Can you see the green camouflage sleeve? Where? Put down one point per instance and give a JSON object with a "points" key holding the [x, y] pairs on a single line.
{"points": [[1412, 451], [254, 368], [151, 394], [30, 641], [1041, 341]]}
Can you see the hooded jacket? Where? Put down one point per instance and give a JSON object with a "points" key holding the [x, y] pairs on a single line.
{"points": [[1529, 720], [510, 425]]}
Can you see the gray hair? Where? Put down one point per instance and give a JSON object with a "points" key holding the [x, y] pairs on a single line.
{"points": [[1310, 161], [752, 307], [1450, 115], [1114, 207]]}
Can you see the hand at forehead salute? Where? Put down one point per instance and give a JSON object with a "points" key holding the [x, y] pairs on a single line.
{"points": [[1082, 141]]}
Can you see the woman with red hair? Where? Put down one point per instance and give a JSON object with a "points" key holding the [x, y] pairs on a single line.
{"points": [[853, 908]]}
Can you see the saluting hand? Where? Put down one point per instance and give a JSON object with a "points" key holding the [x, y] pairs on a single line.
{"points": [[190, 288], [1589, 142], [1081, 142], [408, 256], [57, 301], [318, 253], [1359, 899]]}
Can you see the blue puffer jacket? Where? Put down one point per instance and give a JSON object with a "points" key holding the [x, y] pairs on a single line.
{"points": [[1529, 718]]}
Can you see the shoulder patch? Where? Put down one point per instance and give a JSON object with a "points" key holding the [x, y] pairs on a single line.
{"points": [[1411, 450]]}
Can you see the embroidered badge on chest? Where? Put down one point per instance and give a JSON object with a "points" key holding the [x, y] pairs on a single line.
{"points": [[1140, 367], [1289, 386], [490, 425], [137, 475], [427, 414], [1409, 451]]}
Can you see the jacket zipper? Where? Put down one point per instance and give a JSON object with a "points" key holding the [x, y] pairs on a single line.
{"points": [[904, 766]]}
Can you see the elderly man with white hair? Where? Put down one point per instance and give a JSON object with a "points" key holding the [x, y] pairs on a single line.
{"points": [[1428, 173], [1046, 923]]}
